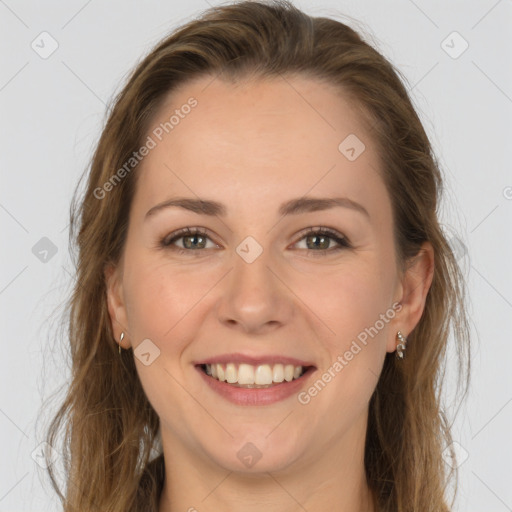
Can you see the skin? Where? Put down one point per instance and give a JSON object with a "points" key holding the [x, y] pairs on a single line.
{"points": [[251, 146]]}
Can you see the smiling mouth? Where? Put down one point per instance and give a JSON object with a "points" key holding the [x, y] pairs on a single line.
{"points": [[250, 376]]}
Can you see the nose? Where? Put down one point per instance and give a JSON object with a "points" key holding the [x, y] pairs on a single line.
{"points": [[255, 298]]}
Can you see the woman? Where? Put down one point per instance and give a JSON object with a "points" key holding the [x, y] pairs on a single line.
{"points": [[259, 242]]}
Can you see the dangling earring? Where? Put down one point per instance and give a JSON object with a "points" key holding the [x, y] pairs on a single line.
{"points": [[400, 349], [120, 339]]}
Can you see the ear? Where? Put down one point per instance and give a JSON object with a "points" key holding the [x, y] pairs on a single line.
{"points": [[412, 291], [116, 304]]}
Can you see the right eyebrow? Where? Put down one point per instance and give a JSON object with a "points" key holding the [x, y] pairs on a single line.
{"points": [[291, 207]]}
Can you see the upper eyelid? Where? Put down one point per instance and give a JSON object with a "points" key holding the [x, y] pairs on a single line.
{"points": [[180, 233]]}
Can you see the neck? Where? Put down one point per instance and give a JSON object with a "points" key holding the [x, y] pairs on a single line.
{"points": [[233, 493]]}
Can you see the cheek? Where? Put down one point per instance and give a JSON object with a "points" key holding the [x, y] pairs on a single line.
{"points": [[160, 297], [356, 305], [356, 308], [169, 304], [161, 309], [349, 300]]}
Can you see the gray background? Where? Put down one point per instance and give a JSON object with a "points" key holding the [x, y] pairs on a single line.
{"points": [[52, 111]]}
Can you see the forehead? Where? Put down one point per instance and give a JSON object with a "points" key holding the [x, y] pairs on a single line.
{"points": [[257, 138]]}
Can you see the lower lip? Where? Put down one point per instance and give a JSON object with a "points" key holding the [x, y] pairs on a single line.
{"points": [[256, 396]]}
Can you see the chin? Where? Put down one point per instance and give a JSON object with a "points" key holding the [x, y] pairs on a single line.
{"points": [[256, 454]]}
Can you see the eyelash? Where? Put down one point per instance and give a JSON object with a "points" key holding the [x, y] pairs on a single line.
{"points": [[342, 241]]}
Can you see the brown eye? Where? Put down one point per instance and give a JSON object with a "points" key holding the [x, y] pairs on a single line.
{"points": [[320, 240], [193, 239]]}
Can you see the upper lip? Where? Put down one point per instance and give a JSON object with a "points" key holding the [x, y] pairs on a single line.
{"points": [[253, 360]]}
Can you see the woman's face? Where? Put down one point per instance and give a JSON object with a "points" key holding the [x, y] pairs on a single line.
{"points": [[256, 291]]}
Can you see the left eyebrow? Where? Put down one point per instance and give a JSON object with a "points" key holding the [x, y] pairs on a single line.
{"points": [[291, 207]]}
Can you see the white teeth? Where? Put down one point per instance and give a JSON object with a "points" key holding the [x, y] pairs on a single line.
{"points": [[288, 373], [263, 375], [252, 376], [231, 373], [245, 374], [278, 373]]}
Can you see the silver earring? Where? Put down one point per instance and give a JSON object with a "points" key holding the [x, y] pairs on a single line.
{"points": [[400, 349], [120, 339]]}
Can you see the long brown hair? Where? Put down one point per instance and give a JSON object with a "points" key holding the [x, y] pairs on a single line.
{"points": [[111, 430]]}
